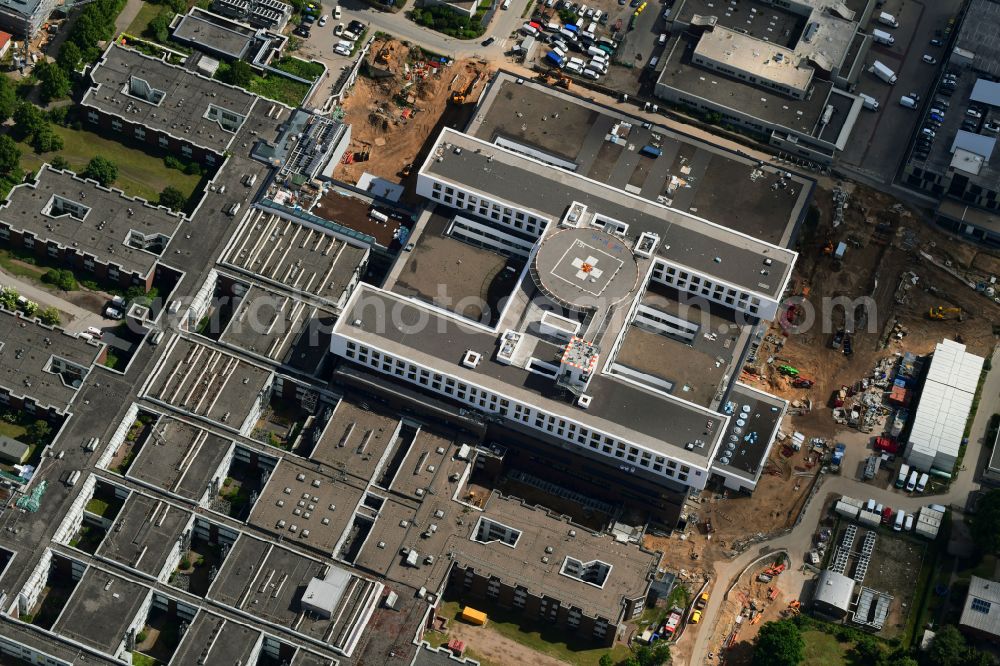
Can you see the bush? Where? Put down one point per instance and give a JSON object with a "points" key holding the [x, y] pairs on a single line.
{"points": [[185, 563], [59, 162], [172, 162], [45, 140], [141, 636], [237, 73], [62, 278], [172, 198], [159, 28], [101, 169], [448, 21]]}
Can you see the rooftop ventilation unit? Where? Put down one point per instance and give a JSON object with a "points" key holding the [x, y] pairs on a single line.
{"points": [[584, 401], [471, 359]]}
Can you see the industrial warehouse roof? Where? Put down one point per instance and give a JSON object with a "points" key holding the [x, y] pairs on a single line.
{"points": [[834, 589], [944, 407], [974, 143], [982, 606], [987, 92]]}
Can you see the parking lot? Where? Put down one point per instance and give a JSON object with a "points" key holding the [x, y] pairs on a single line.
{"points": [[877, 144]]}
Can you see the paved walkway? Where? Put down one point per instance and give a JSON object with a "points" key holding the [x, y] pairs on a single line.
{"points": [[124, 20], [799, 541], [74, 318]]}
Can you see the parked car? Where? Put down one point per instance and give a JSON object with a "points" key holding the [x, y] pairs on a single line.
{"points": [[991, 127], [336, 12], [887, 515], [356, 27], [929, 59], [301, 31], [488, 41], [973, 113], [339, 30], [322, 20], [937, 42]]}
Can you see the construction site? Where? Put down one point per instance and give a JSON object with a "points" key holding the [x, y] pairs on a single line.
{"points": [[403, 97]]}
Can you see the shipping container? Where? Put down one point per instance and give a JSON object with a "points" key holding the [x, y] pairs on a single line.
{"points": [[473, 616]]}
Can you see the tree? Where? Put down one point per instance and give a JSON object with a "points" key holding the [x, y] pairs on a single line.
{"points": [[28, 119], [159, 27], [653, 656], [69, 56], [55, 83], [986, 522], [172, 198], [10, 154], [50, 317], [238, 74], [60, 277], [868, 651], [59, 162], [45, 140], [38, 431], [101, 169], [947, 648], [778, 644], [606, 660], [8, 98]]}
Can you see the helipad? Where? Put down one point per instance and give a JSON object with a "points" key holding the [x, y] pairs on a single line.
{"points": [[583, 269]]}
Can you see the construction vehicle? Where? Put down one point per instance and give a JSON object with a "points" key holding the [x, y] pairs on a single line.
{"points": [[459, 96], [788, 370], [941, 313], [802, 383]]}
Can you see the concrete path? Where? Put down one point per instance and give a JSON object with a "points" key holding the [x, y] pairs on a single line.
{"points": [[74, 318], [799, 541], [124, 20]]}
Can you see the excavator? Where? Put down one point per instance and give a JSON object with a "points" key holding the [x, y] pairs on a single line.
{"points": [[555, 78], [941, 313], [459, 96]]}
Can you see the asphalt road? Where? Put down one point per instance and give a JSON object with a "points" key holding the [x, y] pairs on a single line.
{"points": [[503, 24], [799, 541]]}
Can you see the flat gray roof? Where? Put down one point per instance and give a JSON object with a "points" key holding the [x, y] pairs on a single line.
{"points": [[746, 447], [144, 533], [355, 439], [101, 609], [185, 102], [26, 352], [305, 506], [801, 115], [180, 458], [209, 382], [213, 639], [115, 229], [690, 175], [980, 34], [279, 327], [981, 610], [294, 255], [213, 32], [642, 416], [684, 239], [53, 646]]}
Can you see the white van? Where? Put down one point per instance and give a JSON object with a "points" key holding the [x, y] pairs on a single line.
{"points": [[908, 102], [912, 483], [909, 522], [73, 478], [900, 517], [922, 483], [157, 338], [576, 68], [871, 505]]}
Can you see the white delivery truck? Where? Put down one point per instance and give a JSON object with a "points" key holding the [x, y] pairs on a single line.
{"points": [[869, 102], [888, 19], [881, 71], [882, 37], [908, 102]]}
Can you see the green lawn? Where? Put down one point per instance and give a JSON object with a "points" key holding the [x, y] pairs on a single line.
{"points": [[539, 637], [302, 68], [142, 19], [11, 430], [97, 506], [278, 88], [140, 659], [139, 174], [11, 265], [822, 649]]}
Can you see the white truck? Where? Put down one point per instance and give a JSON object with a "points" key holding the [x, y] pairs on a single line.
{"points": [[883, 37], [883, 72], [869, 102], [888, 19]]}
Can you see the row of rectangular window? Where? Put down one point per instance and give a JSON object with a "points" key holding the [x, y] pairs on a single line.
{"points": [[596, 441]]}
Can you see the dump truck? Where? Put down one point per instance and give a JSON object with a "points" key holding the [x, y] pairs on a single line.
{"points": [[883, 72], [473, 616]]}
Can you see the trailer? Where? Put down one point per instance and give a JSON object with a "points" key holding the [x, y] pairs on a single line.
{"points": [[870, 518], [650, 151], [473, 616], [846, 510], [883, 72]]}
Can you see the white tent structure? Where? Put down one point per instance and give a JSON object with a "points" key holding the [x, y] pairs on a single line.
{"points": [[945, 403]]}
